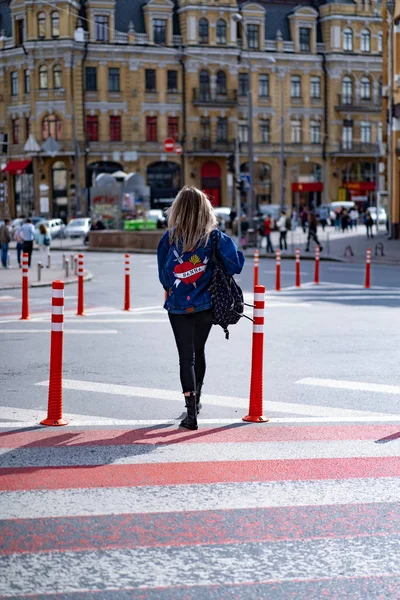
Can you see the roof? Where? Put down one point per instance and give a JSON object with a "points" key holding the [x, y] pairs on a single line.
{"points": [[5, 18]]}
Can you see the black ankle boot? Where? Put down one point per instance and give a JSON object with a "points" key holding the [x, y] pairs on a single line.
{"points": [[190, 421], [199, 405]]}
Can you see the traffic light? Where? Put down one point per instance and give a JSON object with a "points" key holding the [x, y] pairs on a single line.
{"points": [[231, 163], [240, 185]]}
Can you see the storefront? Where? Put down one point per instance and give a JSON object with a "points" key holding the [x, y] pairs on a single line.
{"points": [[361, 192], [307, 195], [22, 187], [164, 180]]}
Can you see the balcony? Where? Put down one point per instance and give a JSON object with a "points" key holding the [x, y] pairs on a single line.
{"points": [[50, 94], [212, 98], [120, 37], [209, 146], [354, 149], [351, 104]]}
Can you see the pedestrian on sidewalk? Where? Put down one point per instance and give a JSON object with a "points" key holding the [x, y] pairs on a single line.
{"points": [[244, 227], [323, 217], [312, 231], [43, 239], [20, 246], [304, 219], [282, 228], [369, 224], [294, 220], [5, 239], [185, 269], [27, 232], [354, 214], [345, 220], [267, 233]]}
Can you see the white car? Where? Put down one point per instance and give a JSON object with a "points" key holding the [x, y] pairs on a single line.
{"points": [[55, 227], [382, 214], [77, 228], [337, 207]]}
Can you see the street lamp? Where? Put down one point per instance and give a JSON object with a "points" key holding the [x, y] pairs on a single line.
{"points": [[390, 6], [238, 18]]}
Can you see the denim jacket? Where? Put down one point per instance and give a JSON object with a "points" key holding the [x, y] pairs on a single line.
{"points": [[186, 276]]}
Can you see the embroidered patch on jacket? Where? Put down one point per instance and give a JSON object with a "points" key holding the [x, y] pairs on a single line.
{"points": [[189, 271]]}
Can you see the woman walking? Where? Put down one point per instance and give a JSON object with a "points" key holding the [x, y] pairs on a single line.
{"points": [[185, 268], [43, 239]]}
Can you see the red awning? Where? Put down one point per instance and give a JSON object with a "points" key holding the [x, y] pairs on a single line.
{"points": [[307, 187], [16, 167]]}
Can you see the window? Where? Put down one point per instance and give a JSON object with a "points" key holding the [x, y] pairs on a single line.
{"points": [[27, 127], [41, 23], [347, 90], [150, 77], [205, 128], [315, 87], [204, 80], [15, 126], [27, 82], [365, 88], [159, 31], [115, 129], [14, 83], [265, 131], [380, 90], [365, 41], [315, 132], [221, 83], [92, 128], [305, 36], [253, 36], [365, 132], [57, 77], [221, 31], [348, 40], [243, 133], [151, 129], [380, 42], [101, 28], [203, 31], [222, 129], [55, 25], [91, 79], [19, 32], [113, 79], [295, 87], [263, 86], [243, 84], [43, 78], [347, 135], [173, 128], [295, 131], [172, 81], [51, 126]]}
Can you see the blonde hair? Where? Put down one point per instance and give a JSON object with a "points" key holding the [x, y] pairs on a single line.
{"points": [[191, 218]]}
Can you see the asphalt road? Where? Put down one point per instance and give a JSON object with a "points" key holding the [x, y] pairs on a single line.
{"points": [[304, 506]]}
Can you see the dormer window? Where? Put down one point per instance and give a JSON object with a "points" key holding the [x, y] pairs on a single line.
{"points": [[253, 36], [41, 20], [159, 31], [304, 39], [101, 28], [203, 31]]}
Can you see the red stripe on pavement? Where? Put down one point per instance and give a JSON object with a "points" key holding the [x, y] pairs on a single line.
{"points": [[111, 532], [239, 433], [53, 478]]}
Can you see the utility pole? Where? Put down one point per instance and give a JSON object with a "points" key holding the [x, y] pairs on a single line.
{"points": [[281, 75], [76, 144], [390, 7], [237, 190], [377, 180]]}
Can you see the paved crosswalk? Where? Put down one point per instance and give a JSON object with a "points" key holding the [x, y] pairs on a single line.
{"points": [[238, 510]]}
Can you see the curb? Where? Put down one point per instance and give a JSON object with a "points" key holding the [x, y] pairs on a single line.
{"points": [[88, 277]]}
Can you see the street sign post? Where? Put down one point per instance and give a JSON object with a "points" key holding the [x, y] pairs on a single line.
{"points": [[246, 181], [169, 145]]}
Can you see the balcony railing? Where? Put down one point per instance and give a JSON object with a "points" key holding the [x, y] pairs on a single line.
{"points": [[270, 45], [120, 37], [141, 38], [288, 46], [177, 40], [207, 145], [211, 97], [355, 149], [50, 94], [351, 104]]}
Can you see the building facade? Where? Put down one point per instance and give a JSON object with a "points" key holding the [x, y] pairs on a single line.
{"points": [[98, 86]]}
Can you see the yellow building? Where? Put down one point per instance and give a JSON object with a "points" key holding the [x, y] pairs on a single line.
{"points": [[99, 86]]}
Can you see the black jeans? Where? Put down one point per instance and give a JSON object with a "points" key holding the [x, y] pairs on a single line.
{"points": [[28, 247], [282, 240], [312, 235], [269, 247], [191, 332]]}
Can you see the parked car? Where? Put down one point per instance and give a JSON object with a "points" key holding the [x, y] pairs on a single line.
{"points": [[77, 228], [55, 227], [157, 215], [223, 214], [15, 225], [382, 214], [336, 207]]}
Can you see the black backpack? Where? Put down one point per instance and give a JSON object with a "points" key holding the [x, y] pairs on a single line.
{"points": [[227, 303]]}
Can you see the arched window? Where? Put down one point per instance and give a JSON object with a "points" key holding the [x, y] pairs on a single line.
{"points": [[41, 24], [57, 77], [203, 31], [365, 41], [43, 77], [221, 83], [55, 24], [365, 88], [221, 31], [51, 126], [348, 40], [347, 90], [204, 81]]}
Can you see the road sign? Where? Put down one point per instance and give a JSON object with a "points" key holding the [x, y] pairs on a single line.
{"points": [[169, 145], [178, 149], [246, 180]]}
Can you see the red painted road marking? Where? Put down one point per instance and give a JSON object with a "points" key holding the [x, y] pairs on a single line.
{"points": [[53, 478]]}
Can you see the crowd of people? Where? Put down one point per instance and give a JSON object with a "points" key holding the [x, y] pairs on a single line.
{"points": [[25, 236]]}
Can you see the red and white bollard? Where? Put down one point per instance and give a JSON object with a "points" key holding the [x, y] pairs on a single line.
{"points": [[54, 406], [278, 271], [256, 266], [25, 287], [298, 282], [316, 269], [81, 273], [368, 269], [257, 359], [127, 302]]}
